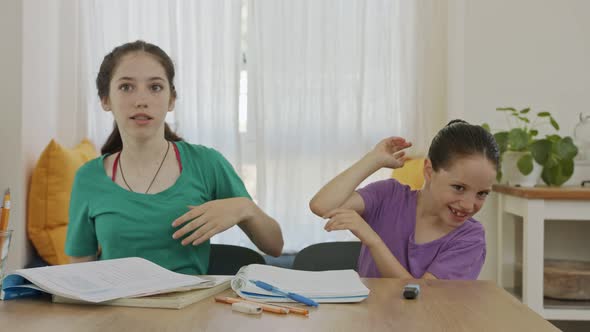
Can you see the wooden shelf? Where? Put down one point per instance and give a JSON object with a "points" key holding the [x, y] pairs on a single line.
{"points": [[551, 193]]}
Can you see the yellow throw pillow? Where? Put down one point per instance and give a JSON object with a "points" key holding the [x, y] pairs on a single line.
{"points": [[49, 197], [411, 174]]}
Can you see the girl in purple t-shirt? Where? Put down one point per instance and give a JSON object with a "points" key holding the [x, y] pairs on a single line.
{"points": [[427, 233]]}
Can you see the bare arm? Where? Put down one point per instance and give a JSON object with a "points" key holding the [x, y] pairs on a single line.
{"points": [[339, 193], [387, 263], [213, 217], [263, 230]]}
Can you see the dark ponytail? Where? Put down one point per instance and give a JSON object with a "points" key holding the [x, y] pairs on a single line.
{"points": [[105, 74], [461, 139]]}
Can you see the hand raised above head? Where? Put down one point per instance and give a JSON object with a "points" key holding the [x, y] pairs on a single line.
{"points": [[389, 152], [201, 222]]}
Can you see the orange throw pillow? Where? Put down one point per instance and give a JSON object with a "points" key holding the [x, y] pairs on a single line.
{"points": [[49, 198], [411, 173]]}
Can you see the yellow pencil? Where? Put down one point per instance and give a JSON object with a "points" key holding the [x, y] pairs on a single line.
{"points": [[5, 211]]}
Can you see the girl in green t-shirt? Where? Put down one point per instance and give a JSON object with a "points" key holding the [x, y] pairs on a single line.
{"points": [[151, 194]]}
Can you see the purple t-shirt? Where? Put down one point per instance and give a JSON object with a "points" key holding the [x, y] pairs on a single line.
{"points": [[390, 209]]}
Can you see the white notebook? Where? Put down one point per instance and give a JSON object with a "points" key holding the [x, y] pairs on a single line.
{"points": [[325, 286]]}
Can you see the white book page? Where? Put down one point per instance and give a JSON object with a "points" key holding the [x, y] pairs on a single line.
{"points": [[100, 281]]}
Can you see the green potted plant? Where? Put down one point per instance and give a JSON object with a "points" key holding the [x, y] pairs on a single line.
{"points": [[554, 154]]}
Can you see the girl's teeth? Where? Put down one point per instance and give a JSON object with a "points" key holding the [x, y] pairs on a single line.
{"points": [[455, 212]]}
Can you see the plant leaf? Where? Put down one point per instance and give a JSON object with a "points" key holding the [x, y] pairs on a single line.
{"points": [[543, 114], [518, 139], [552, 161], [503, 109], [549, 175], [525, 110], [525, 164], [554, 123], [567, 168], [541, 149], [486, 127], [534, 132], [558, 174], [566, 149], [502, 140]]}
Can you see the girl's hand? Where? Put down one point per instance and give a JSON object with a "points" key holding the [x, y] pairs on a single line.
{"points": [[208, 219], [389, 152], [341, 219]]}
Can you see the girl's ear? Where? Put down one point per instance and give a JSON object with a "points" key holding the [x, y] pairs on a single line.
{"points": [[105, 103], [427, 170]]}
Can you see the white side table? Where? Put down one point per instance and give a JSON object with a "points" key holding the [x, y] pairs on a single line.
{"points": [[535, 205]]}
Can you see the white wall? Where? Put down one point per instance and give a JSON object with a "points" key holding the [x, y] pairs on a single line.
{"points": [[11, 157], [522, 53]]}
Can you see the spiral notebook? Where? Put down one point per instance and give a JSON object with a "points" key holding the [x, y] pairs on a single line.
{"points": [[326, 286]]}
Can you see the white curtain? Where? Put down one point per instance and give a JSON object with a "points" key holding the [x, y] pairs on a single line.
{"points": [[329, 79], [203, 39]]}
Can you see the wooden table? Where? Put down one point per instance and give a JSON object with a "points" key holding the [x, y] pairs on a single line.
{"points": [[535, 205], [441, 306]]}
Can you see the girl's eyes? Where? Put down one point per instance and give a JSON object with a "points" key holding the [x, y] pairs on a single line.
{"points": [[157, 88], [458, 187], [125, 87], [483, 194]]}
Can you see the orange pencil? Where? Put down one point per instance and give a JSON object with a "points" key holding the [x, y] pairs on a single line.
{"points": [[265, 307], [295, 310], [5, 211]]}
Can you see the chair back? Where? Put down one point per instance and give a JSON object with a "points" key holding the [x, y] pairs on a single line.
{"points": [[328, 256], [226, 259]]}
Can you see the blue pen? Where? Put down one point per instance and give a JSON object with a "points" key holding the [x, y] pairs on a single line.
{"points": [[292, 296]]}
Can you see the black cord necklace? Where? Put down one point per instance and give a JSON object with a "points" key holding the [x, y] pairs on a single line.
{"points": [[155, 175]]}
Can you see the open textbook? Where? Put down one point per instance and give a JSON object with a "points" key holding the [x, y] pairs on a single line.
{"points": [[326, 286], [104, 281]]}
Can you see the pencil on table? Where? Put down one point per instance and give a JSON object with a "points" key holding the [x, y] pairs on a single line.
{"points": [[295, 310], [264, 306]]}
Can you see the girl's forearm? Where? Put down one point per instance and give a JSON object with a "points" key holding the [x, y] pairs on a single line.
{"points": [[263, 230], [339, 189], [387, 263]]}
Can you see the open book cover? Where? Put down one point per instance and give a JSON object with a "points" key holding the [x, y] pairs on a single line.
{"points": [[102, 281], [325, 286]]}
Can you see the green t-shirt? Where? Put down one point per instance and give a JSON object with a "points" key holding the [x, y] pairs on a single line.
{"points": [[126, 224]]}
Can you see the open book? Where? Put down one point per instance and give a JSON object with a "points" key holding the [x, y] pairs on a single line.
{"points": [[109, 281], [326, 286]]}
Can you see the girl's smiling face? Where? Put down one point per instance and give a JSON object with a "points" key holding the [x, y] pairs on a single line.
{"points": [[139, 95], [460, 190]]}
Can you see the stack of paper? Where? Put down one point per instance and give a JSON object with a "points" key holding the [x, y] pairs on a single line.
{"points": [[105, 281], [326, 286]]}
